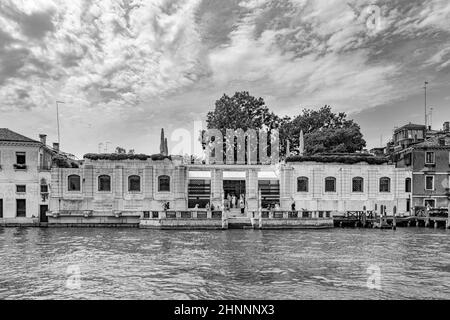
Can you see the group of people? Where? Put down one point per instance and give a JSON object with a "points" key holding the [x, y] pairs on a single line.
{"points": [[231, 201]]}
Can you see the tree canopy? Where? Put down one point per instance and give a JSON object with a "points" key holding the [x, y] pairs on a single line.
{"points": [[324, 130]]}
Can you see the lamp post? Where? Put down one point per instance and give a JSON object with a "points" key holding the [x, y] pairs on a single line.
{"points": [[425, 90], [57, 119]]}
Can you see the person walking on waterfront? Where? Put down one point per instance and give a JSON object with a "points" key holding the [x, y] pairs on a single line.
{"points": [[242, 204], [233, 201]]}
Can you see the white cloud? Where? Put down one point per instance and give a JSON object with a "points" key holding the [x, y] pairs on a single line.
{"points": [[147, 61]]}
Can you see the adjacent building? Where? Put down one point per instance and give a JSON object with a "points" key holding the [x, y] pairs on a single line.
{"points": [[429, 162], [25, 174]]}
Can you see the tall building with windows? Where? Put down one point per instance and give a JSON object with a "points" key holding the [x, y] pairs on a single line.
{"points": [[25, 166], [429, 162]]}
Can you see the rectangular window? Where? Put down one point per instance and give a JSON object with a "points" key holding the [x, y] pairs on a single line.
{"points": [[21, 188], [429, 157], [357, 184], [44, 188], [429, 182], [21, 208], [330, 185], [429, 203], [21, 158], [408, 159], [302, 184]]}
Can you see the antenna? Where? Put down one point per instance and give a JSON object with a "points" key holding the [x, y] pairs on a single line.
{"points": [[431, 117], [425, 88], [57, 120]]}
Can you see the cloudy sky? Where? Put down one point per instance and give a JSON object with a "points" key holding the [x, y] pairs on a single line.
{"points": [[127, 68]]}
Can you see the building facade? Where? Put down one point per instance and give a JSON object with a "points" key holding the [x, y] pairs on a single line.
{"points": [[429, 162], [25, 166], [122, 191]]}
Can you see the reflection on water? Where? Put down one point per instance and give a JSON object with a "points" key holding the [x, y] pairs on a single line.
{"points": [[233, 264]]}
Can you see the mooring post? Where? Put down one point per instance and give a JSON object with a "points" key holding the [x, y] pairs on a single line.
{"points": [[447, 223], [427, 220], [259, 209], [394, 220]]}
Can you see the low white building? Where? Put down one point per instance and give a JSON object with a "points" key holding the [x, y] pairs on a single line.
{"points": [[108, 189], [344, 187]]}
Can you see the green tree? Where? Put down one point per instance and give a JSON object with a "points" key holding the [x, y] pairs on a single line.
{"points": [[324, 131], [120, 150], [241, 111]]}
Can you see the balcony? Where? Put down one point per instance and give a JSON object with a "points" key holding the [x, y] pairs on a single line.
{"points": [[20, 167]]}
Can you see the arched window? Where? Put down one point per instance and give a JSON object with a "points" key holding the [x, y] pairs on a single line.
{"points": [[163, 183], [104, 183], [302, 184], [357, 184], [74, 182], [385, 184], [134, 183], [408, 185], [330, 184]]}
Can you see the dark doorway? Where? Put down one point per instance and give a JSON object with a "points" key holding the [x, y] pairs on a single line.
{"points": [[1, 208], [408, 205], [233, 190], [234, 187], [43, 213]]}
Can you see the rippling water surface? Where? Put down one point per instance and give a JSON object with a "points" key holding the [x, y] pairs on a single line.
{"points": [[233, 264]]}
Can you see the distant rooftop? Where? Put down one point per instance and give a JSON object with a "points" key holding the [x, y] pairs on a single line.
{"points": [[8, 135], [439, 141], [411, 126]]}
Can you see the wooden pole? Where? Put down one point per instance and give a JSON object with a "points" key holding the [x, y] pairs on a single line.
{"points": [[447, 223], [259, 209]]}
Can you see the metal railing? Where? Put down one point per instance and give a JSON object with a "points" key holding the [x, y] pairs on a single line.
{"points": [[289, 214], [183, 214]]}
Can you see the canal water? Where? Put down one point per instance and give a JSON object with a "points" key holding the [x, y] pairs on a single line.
{"points": [[44, 263]]}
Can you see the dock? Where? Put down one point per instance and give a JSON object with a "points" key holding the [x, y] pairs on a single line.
{"points": [[370, 219], [233, 219]]}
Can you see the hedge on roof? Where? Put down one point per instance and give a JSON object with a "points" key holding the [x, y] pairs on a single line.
{"points": [[124, 156], [346, 159], [63, 162]]}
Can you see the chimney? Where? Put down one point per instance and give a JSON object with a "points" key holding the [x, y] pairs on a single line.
{"points": [[447, 126], [43, 138], [56, 146]]}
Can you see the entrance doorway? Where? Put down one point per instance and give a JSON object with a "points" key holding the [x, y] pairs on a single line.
{"points": [[43, 213], [234, 188]]}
